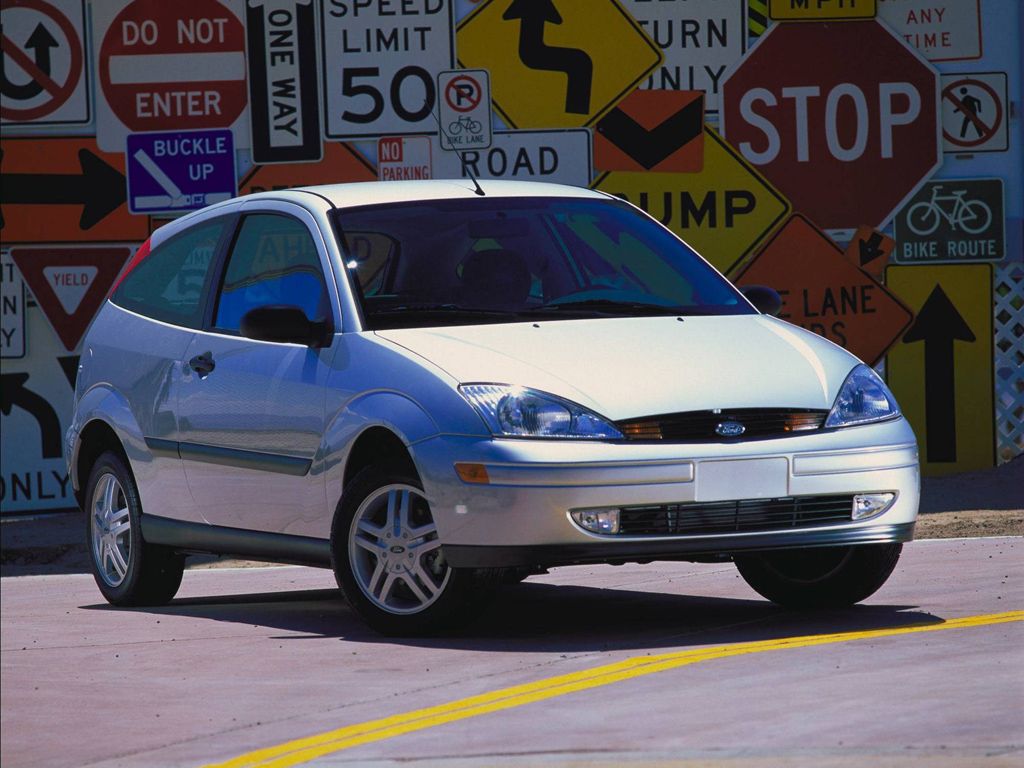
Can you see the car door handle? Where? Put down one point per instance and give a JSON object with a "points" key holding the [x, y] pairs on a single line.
{"points": [[202, 364]]}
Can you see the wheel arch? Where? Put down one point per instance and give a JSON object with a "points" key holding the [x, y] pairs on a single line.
{"points": [[97, 438]]}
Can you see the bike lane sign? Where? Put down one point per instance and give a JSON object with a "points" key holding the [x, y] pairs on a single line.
{"points": [[464, 109], [952, 220]]}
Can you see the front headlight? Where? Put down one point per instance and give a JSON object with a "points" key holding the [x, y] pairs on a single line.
{"points": [[520, 412], [863, 398]]}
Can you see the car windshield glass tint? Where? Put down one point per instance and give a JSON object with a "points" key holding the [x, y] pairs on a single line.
{"points": [[457, 262]]}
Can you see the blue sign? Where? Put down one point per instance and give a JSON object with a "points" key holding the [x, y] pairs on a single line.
{"points": [[179, 171]]}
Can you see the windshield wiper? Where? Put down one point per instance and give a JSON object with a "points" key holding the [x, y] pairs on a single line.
{"points": [[611, 306], [454, 309]]}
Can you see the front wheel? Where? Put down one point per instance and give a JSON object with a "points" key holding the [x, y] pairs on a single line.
{"points": [[388, 560], [827, 577]]}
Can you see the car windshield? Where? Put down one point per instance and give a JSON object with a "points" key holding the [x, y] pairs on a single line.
{"points": [[494, 260]]}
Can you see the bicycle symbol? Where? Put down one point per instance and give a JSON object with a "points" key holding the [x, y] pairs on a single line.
{"points": [[465, 123], [971, 216]]}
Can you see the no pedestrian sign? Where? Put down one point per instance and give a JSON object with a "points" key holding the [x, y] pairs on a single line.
{"points": [[974, 112], [177, 172], [465, 109]]}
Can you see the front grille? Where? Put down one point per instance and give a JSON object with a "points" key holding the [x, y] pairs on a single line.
{"points": [[747, 515], [699, 426]]}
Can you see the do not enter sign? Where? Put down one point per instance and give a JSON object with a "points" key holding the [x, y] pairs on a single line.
{"points": [[169, 66], [842, 118]]}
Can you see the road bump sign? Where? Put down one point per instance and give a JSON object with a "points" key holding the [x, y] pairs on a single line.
{"points": [[659, 131], [44, 80], [284, 107], [941, 371], [821, 10], [169, 66], [558, 157], [12, 309], [870, 250], [724, 211], [464, 109], [63, 190], [340, 163], [556, 63], [824, 292], [953, 220], [70, 284], [974, 112], [401, 158], [181, 171]]}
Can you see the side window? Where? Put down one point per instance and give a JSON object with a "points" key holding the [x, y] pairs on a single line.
{"points": [[168, 284], [274, 261]]}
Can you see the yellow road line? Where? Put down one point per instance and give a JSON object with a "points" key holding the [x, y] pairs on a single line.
{"points": [[312, 747]]}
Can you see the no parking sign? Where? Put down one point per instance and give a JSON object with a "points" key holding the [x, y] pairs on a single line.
{"points": [[465, 109]]}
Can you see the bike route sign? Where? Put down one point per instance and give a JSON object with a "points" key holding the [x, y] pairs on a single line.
{"points": [[952, 220], [464, 109]]}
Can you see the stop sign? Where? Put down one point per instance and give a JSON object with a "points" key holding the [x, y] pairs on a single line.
{"points": [[842, 118]]}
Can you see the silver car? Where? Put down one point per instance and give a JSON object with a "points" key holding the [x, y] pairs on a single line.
{"points": [[432, 387]]}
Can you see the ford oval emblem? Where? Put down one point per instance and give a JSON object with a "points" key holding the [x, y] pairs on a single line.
{"points": [[730, 429]]}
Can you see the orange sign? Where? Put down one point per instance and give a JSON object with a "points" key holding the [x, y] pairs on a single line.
{"points": [[870, 250], [57, 190], [653, 131], [824, 292], [340, 163]]}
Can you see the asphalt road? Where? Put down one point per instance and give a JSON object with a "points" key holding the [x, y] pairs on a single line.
{"points": [[652, 665]]}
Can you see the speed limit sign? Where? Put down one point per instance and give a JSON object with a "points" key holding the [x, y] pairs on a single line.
{"points": [[380, 66]]}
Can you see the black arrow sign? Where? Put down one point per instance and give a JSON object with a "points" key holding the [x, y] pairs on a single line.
{"points": [[99, 189], [869, 249], [13, 392], [40, 41], [938, 325], [576, 64], [650, 147]]}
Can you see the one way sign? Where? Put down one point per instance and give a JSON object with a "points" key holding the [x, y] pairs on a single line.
{"points": [[281, 54]]}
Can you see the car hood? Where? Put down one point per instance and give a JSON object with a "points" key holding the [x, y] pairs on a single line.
{"points": [[627, 367]]}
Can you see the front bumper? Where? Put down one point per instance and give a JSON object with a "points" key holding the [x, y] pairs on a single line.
{"points": [[521, 516]]}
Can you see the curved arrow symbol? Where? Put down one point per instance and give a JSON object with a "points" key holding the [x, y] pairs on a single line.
{"points": [[40, 41], [533, 15], [13, 392]]}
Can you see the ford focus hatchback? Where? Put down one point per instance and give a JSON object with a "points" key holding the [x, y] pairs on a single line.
{"points": [[430, 387]]}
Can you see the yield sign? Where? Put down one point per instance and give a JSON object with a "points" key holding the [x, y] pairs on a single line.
{"points": [[824, 292], [70, 284], [556, 64]]}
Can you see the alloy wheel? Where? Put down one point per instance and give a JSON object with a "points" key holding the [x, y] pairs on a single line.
{"points": [[111, 530]]}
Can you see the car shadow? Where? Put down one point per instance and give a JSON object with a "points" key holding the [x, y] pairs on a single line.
{"points": [[544, 618]]}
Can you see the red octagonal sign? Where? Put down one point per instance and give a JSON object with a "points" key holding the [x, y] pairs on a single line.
{"points": [[842, 118]]}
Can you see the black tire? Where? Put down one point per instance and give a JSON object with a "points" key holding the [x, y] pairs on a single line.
{"points": [[826, 577], [456, 597], [151, 574]]}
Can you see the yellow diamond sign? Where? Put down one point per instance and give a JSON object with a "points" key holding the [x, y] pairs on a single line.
{"points": [[724, 211], [556, 63]]}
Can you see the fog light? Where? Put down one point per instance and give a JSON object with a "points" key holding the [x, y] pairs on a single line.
{"points": [[870, 504], [597, 520]]}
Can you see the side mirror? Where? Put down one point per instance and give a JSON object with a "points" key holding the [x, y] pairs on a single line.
{"points": [[766, 300], [282, 323]]}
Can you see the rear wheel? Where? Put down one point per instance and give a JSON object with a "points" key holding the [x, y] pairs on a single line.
{"points": [[127, 570], [827, 577]]}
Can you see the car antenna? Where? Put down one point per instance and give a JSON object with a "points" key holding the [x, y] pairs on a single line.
{"points": [[465, 168]]}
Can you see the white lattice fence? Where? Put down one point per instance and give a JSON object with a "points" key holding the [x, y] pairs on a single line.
{"points": [[1009, 324]]}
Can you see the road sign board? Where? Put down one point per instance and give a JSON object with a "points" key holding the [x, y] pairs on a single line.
{"points": [[63, 190], [400, 158], [652, 131], [953, 220], [284, 111], [340, 163], [821, 10], [870, 250], [380, 65], [724, 211], [559, 157], [45, 78], [699, 41], [180, 171], [941, 372], [843, 118], [824, 292], [556, 64], [69, 284], [169, 67], [975, 117], [943, 30], [464, 109], [12, 309]]}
